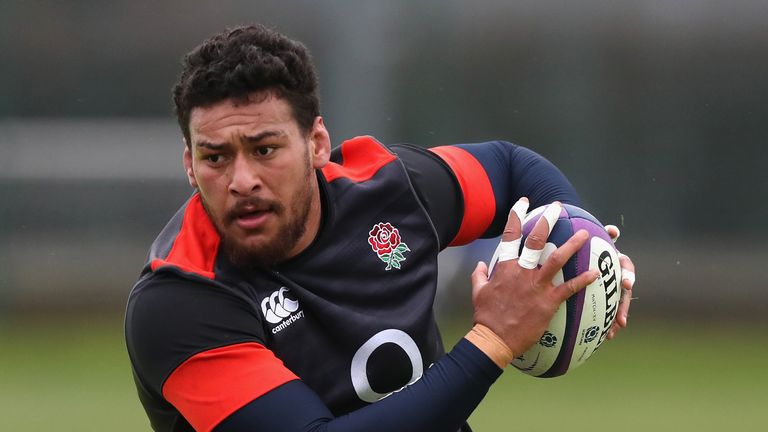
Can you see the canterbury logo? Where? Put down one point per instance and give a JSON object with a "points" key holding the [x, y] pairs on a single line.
{"points": [[277, 306]]}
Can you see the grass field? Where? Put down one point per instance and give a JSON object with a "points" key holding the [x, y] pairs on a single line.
{"points": [[655, 377]]}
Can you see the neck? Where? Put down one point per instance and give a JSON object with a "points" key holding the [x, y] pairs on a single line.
{"points": [[313, 220]]}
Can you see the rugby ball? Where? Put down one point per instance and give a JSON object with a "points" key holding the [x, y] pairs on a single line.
{"points": [[582, 322]]}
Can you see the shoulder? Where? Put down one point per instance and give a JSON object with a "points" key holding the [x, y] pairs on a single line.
{"points": [[171, 317], [168, 302], [358, 159]]}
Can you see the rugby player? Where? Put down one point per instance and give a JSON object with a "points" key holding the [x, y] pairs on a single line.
{"points": [[293, 291]]}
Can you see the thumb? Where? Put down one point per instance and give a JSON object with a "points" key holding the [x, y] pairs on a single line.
{"points": [[479, 278]]}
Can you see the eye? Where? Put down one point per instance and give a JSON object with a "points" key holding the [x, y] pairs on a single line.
{"points": [[265, 151], [213, 158]]}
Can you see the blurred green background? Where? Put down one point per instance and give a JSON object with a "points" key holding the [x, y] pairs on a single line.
{"points": [[655, 110], [658, 376]]}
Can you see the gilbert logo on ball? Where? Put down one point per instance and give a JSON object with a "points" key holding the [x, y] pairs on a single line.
{"points": [[582, 322]]}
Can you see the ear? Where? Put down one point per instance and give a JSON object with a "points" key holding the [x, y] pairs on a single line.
{"points": [[188, 167], [319, 144]]}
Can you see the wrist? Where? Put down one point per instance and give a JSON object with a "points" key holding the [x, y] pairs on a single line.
{"points": [[490, 344]]}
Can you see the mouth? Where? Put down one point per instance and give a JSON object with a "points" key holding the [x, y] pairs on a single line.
{"points": [[250, 218]]}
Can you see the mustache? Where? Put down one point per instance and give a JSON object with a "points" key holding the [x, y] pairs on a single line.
{"points": [[247, 205]]}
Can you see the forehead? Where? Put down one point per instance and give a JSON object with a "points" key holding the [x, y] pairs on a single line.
{"points": [[230, 117]]}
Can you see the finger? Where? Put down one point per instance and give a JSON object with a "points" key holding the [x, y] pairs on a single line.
{"points": [[623, 313], [512, 230], [534, 244], [613, 231], [627, 271], [627, 282], [509, 247], [627, 278], [479, 278], [561, 255], [575, 284], [615, 327], [521, 208], [505, 251]]}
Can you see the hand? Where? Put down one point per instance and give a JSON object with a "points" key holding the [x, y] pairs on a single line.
{"points": [[627, 281], [519, 300]]}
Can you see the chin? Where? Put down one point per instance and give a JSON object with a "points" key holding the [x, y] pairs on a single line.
{"points": [[254, 254]]}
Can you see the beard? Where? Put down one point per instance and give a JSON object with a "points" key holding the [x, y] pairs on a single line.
{"points": [[275, 250], [291, 227]]}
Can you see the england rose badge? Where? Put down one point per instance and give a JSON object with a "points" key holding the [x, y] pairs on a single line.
{"points": [[386, 242]]}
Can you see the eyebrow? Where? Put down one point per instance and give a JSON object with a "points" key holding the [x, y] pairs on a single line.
{"points": [[255, 139], [252, 139], [210, 145]]}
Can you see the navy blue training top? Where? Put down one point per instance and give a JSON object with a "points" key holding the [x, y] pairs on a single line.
{"points": [[341, 337]]}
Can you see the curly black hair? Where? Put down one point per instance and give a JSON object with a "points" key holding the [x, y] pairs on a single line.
{"points": [[245, 60]]}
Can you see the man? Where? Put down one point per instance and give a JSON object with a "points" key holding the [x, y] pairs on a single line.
{"points": [[294, 289]]}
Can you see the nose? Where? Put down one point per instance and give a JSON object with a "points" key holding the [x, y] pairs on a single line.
{"points": [[245, 178]]}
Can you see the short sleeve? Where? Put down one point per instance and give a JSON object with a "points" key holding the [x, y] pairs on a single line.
{"points": [[200, 346]]}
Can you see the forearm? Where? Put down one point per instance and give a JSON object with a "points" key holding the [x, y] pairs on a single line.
{"points": [[441, 400]]}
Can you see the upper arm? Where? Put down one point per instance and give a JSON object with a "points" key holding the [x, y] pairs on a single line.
{"points": [[436, 187], [481, 182]]}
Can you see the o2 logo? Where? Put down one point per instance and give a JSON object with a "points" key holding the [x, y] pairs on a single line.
{"points": [[360, 362]]}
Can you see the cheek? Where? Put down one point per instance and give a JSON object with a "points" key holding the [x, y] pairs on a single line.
{"points": [[211, 180], [289, 184], [213, 205], [213, 190]]}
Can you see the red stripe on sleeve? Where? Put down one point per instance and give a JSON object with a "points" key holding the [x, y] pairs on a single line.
{"points": [[479, 201], [196, 245], [213, 384], [362, 158]]}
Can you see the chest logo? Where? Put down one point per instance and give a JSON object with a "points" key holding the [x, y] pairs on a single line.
{"points": [[279, 309], [386, 242]]}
